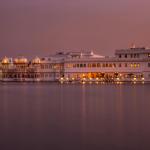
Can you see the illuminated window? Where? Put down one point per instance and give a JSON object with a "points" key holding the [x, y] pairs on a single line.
{"points": [[74, 65], [103, 65], [93, 65], [110, 65], [89, 65], [134, 65], [98, 65]]}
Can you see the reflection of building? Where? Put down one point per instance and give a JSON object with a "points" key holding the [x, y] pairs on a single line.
{"points": [[131, 64], [0, 71]]}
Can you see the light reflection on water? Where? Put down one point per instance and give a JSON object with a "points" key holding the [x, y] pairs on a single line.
{"points": [[44, 116]]}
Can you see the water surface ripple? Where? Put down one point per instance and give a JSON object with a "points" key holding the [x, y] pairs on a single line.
{"points": [[45, 116]]}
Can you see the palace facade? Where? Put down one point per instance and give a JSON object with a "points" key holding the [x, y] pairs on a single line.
{"points": [[127, 65]]}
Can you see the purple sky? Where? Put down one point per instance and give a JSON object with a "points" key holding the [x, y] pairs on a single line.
{"points": [[41, 27]]}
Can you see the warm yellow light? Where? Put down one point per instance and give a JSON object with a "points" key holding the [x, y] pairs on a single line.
{"points": [[61, 82], [118, 79], [84, 78], [61, 78], [5, 60], [135, 65], [21, 60], [83, 82]]}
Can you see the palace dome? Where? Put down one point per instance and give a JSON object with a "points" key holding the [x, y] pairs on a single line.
{"points": [[21, 60], [5, 60], [36, 60]]}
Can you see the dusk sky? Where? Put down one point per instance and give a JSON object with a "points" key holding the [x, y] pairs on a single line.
{"points": [[42, 27]]}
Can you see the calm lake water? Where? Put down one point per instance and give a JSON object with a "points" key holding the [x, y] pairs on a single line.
{"points": [[45, 116]]}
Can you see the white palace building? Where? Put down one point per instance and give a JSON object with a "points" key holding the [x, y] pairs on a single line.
{"points": [[128, 65]]}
